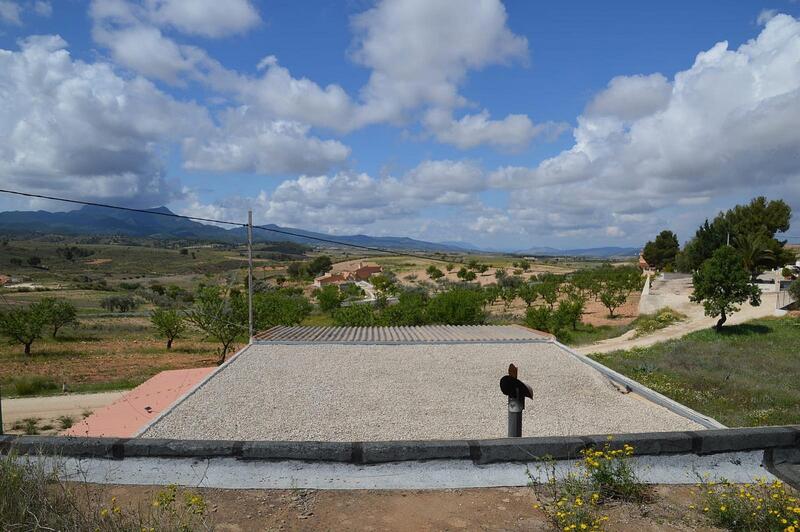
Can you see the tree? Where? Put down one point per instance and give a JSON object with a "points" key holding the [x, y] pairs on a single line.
{"points": [[434, 272], [757, 217], [662, 251], [169, 324], [547, 288], [466, 275], [57, 313], [23, 325], [449, 266], [459, 306], [614, 285], [410, 310], [508, 294], [572, 309], [278, 307], [528, 292], [354, 316], [296, 270], [794, 289], [34, 261], [221, 315], [319, 265], [722, 284], [755, 252], [491, 293], [329, 298], [545, 319]]}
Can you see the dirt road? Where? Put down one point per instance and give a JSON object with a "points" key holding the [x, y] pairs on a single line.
{"points": [[50, 408], [674, 293]]}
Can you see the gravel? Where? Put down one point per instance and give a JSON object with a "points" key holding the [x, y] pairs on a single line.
{"points": [[329, 392]]}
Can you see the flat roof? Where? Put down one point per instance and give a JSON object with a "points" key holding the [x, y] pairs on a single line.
{"points": [[367, 391]]}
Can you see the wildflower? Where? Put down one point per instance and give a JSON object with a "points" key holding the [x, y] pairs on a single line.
{"points": [[104, 512]]}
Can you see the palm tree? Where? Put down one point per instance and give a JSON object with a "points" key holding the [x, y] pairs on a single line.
{"points": [[755, 252]]}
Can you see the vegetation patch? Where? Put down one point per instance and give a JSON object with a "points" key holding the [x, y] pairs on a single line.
{"points": [[650, 323], [603, 476], [744, 375], [32, 497], [761, 505]]}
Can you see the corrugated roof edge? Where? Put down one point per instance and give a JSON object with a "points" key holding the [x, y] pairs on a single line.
{"points": [[427, 334]]}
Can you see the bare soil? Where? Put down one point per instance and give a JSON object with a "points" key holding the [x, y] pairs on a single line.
{"points": [[371, 510]]}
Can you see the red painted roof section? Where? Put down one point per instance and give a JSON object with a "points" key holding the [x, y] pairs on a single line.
{"points": [[125, 417]]}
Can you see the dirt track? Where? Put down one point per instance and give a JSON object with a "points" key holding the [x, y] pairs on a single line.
{"points": [[50, 408], [675, 294]]}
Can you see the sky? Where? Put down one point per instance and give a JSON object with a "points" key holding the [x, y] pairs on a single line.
{"points": [[506, 125]]}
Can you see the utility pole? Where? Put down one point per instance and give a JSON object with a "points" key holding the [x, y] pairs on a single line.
{"points": [[1, 411], [250, 272]]}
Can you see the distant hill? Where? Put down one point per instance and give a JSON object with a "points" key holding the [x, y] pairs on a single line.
{"points": [[602, 253], [90, 220]]}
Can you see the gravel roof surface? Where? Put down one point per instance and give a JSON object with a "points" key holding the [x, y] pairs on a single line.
{"points": [[331, 392]]}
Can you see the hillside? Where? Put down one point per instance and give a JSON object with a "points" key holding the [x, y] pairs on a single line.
{"points": [[91, 220]]}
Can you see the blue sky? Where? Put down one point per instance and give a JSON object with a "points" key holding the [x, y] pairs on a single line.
{"points": [[505, 124]]}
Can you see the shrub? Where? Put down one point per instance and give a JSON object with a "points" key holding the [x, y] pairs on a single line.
{"points": [[129, 286], [794, 289], [119, 303], [65, 422], [665, 317], [355, 316], [752, 506], [328, 297], [32, 497], [458, 306], [410, 310], [33, 385]]}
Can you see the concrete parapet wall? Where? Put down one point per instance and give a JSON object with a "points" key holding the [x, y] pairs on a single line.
{"points": [[769, 439]]}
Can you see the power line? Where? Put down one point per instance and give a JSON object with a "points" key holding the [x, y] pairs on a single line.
{"points": [[224, 222]]}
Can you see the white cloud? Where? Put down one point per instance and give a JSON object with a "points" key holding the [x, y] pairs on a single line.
{"points": [[644, 145], [43, 8], [68, 126], [631, 97], [420, 51], [145, 50], [209, 18], [245, 143], [349, 201], [765, 15], [514, 132], [10, 12]]}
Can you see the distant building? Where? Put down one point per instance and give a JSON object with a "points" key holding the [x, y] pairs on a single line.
{"points": [[363, 273], [4, 279], [334, 278], [643, 263]]}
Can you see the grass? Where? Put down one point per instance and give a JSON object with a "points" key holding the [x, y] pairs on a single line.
{"points": [[589, 334], [744, 376], [32, 497], [644, 324]]}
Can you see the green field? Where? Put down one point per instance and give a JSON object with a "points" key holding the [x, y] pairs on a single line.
{"points": [[745, 376]]}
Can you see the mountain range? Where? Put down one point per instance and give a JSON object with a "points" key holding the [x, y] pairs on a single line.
{"points": [[93, 220]]}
